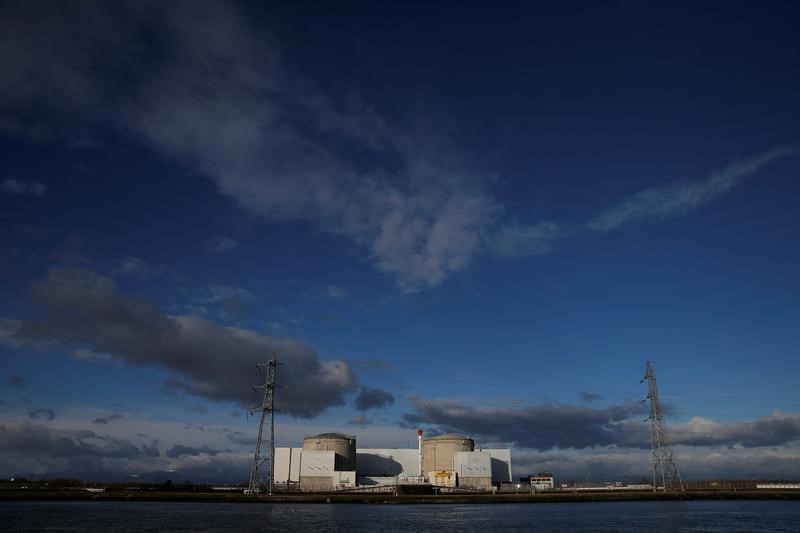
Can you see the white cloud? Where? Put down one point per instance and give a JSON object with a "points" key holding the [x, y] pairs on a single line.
{"points": [[334, 292], [513, 240], [682, 196]]}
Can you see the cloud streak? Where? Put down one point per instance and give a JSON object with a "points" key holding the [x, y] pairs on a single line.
{"points": [[683, 196]]}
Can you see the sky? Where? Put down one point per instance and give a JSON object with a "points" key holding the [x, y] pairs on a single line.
{"points": [[449, 216]]}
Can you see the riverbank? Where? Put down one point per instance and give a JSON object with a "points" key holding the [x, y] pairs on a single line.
{"points": [[383, 498]]}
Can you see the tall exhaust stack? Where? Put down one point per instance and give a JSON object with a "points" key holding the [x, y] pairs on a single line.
{"points": [[419, 441]]}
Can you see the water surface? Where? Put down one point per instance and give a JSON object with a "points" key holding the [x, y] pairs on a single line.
{"points": [[706, 516]]}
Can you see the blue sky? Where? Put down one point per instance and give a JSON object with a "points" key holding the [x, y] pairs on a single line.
{"points": [[452, 216]]}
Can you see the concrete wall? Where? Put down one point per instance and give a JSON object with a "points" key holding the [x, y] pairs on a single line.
{"points": [[382, 462], [474, 469], [473, 464], [316, 483], [501, 464], [287, 465], [316, 464]]}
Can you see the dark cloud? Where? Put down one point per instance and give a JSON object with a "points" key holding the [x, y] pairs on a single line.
{"points": [[197, 409], [42, 414], [179, 450], [609, 464], [56, 444], [151, 450], [546, 427], [773, 430], [209, 360], [373, 398], [106, 419], [16, 381], [589, 397], [237, 437], [539, 427]]}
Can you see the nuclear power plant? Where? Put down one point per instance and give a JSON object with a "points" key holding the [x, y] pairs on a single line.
{"points": [[332, 461], [450, 462]]}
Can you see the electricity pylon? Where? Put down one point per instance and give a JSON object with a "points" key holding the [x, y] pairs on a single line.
{"points": [[664, 468], [261, 474]]}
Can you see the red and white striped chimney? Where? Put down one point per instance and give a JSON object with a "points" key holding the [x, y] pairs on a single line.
{"points": [[419, 441]]}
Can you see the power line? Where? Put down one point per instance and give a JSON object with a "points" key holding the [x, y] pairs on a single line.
{"points": [[573, 389], [735, 385]]}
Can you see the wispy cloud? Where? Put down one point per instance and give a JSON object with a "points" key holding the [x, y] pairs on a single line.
{"points": [[106, 419], [220, 244], [513, 240], [17, 382], [683, 196], [360, 421], [589, 397], [137, 267], [334, 292], [224, 105], [42, 414], [22, 188], [87, 354]]}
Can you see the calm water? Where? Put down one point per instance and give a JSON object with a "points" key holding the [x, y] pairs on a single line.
{"points": [[607, 516]]}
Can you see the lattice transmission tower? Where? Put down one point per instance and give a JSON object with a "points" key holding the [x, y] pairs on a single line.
{"points": [[261, 474], [664, 468]]}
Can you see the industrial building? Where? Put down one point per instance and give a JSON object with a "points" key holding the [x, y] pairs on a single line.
{"points": [[331, 461], [541, 481]]}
